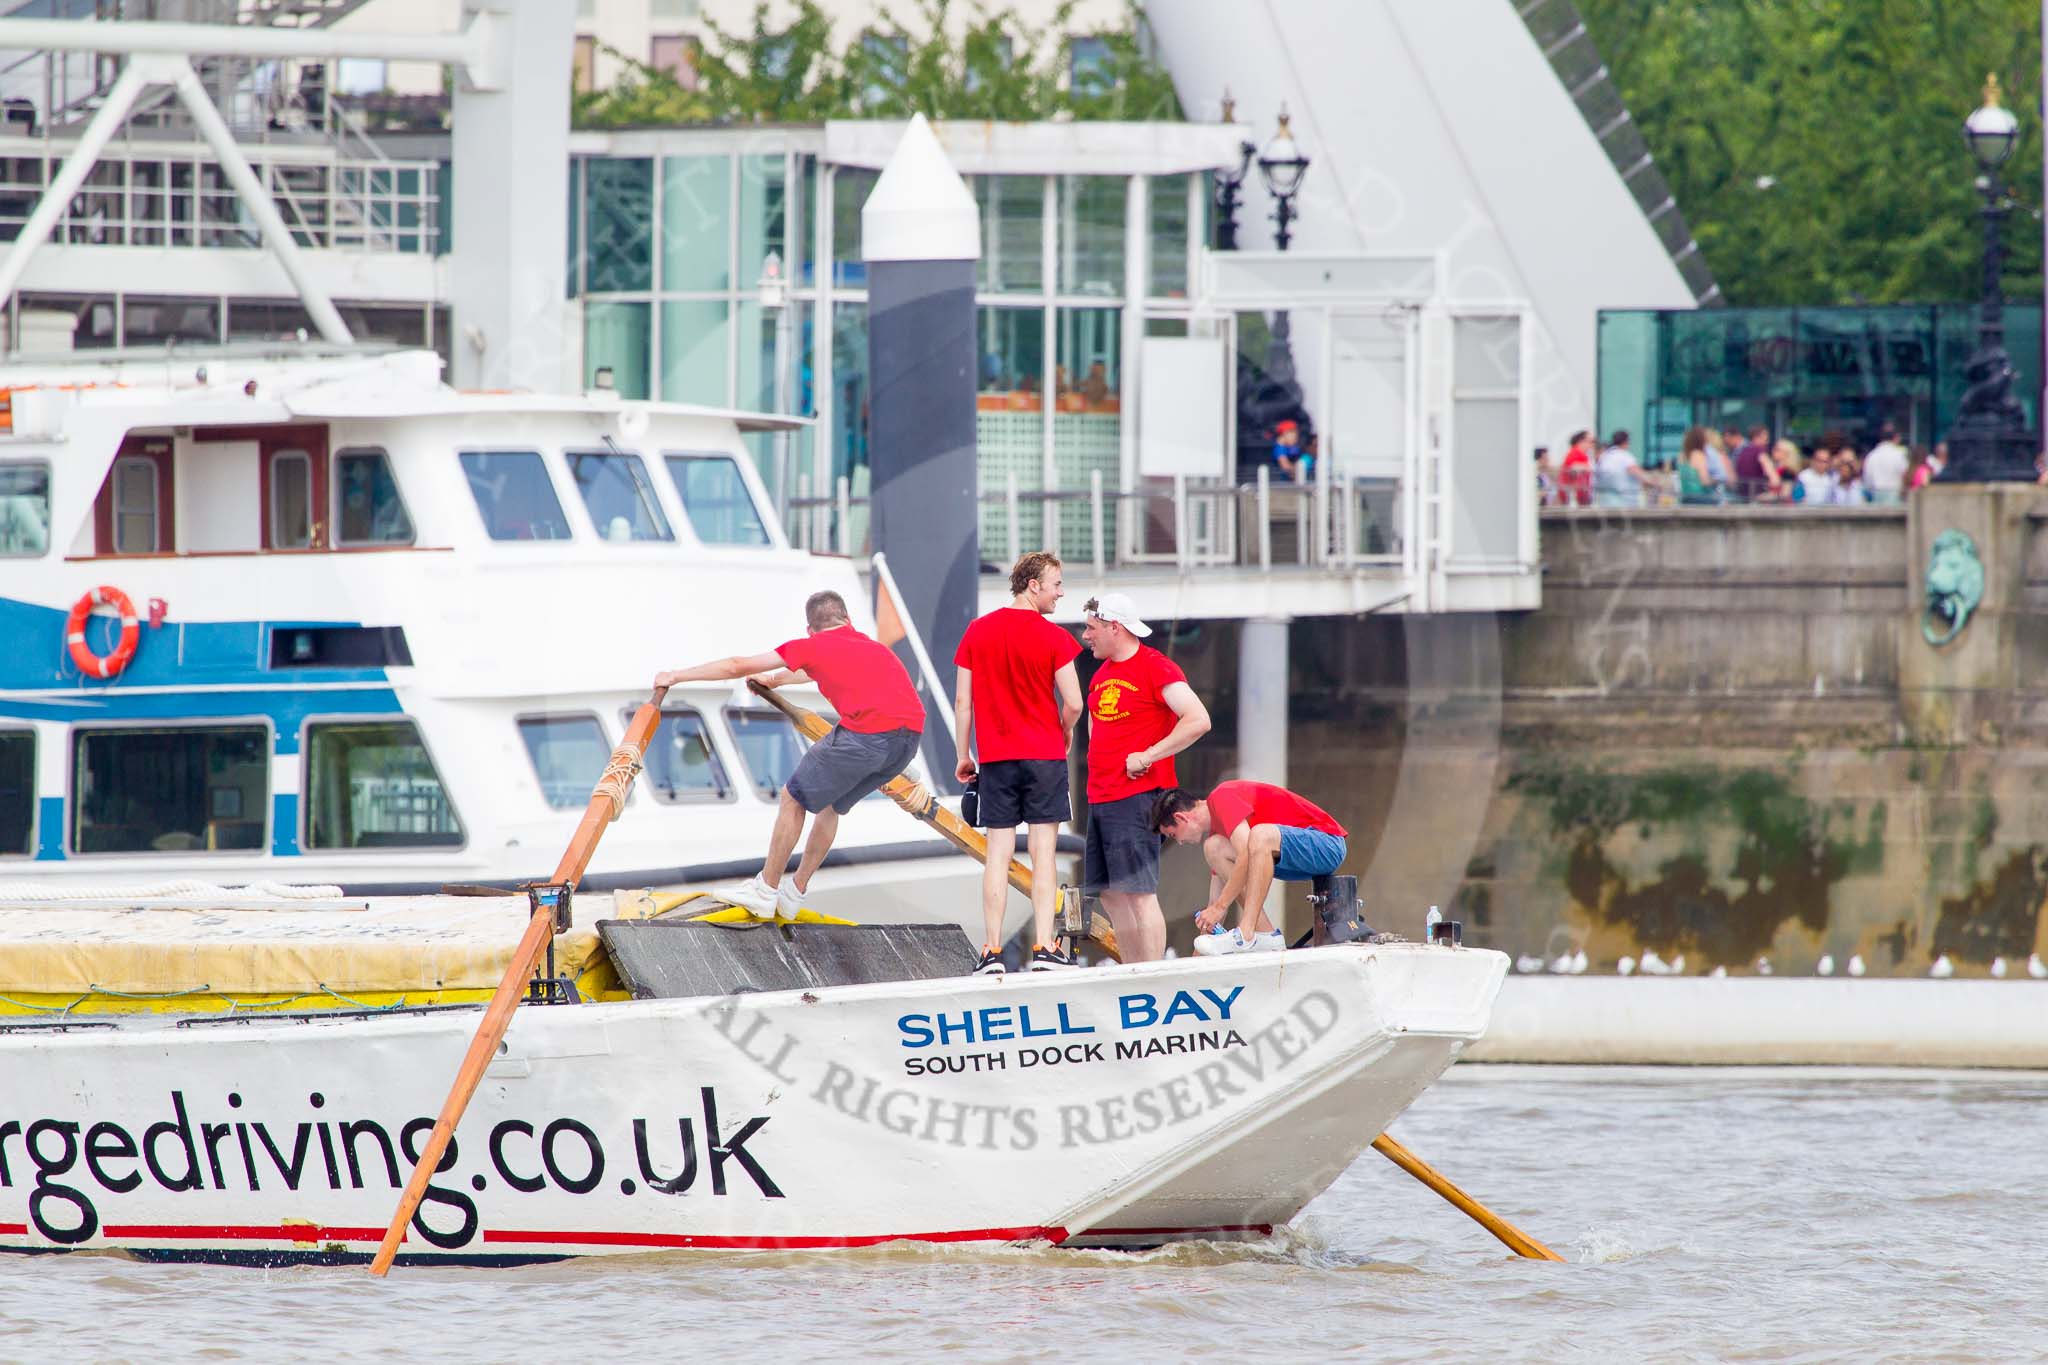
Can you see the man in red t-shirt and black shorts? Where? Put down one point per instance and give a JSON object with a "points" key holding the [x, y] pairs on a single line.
{"points": [[1141, 712], [1014, 711], [1252, 834], [881, 722]]}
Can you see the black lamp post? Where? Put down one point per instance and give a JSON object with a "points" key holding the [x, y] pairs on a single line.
{"points": [[1229, 186], [1282, 166], [1989, 442]]}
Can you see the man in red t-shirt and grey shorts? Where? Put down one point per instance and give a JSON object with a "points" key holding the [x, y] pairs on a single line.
{"points": [[1141, 712], [1252, 834], [1014, 712], [881, 722]]}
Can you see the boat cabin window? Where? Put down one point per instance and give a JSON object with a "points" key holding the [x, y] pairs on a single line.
{"points": [[24, 507], [681, 765], [135, 506], [769, 745], [512, 490], [620, 496], [291, 500], [568, 754], [367, 508], [169, 789], [371, 784], [714, 494], [17, 793]]}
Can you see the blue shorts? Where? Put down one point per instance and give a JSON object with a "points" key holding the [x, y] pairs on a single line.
{"points": [[1306, 854]]}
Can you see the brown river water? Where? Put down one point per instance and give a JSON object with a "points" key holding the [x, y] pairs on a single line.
{"points": [[1758, 1214]]}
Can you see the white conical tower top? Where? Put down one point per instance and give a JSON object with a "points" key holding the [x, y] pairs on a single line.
{"points": [[920, 210]]}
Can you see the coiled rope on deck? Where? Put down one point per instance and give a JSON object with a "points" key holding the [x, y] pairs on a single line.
{"points": [[618, 778]]}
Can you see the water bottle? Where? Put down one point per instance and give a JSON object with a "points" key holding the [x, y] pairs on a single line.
{"points": [[1430, 922]]}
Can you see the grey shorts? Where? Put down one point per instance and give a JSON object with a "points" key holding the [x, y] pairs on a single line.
{"points": [[847, 765], [1123, 846]]}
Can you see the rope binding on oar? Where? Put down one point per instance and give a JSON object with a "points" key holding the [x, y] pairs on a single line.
{"points": [[625, 765]]}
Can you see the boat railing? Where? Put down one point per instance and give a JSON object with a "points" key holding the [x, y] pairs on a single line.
{"points": [[1178, 524]]}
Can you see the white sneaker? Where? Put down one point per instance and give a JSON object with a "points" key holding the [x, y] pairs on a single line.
{"points": [[1212, 945], [788, 901], [752, 894]]}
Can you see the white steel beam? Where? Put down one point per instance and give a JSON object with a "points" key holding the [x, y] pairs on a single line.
{"points": [[255, 198], [140, 74], [470, 49]]}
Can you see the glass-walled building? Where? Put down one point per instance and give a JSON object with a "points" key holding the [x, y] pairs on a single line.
{"points": [[1803, 372], [724, 267]]}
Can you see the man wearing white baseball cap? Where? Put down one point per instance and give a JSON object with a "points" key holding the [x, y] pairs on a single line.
{"points": [[1141, 712]]}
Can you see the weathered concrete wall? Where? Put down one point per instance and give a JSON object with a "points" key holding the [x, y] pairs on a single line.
{"points": [[1723, 735]]}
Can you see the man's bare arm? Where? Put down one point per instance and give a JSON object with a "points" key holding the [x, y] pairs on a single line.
{"points": [[1068, 682], [721, 670], [963, 725], [787, 677], [1191, 722]]}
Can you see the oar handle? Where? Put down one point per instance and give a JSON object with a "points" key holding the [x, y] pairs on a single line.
{"points": [[605, 803]]}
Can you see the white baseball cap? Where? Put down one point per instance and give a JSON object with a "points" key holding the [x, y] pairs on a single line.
{"points": [[1118, 607]]}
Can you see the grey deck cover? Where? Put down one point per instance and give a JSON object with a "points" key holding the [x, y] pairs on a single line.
{"points": [[671, 959]]}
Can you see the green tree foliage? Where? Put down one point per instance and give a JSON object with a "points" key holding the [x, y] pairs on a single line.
{"points": [[1815, 146], [995, 66]]}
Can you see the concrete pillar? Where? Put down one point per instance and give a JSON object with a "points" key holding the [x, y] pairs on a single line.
{"points": [[1963, 685], [1262, 736], [511, 171], [921, 235]]}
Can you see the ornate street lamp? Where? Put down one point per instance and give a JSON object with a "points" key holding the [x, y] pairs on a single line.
{"points": [[1990, 442], [1282, 166], [1229, 186]]}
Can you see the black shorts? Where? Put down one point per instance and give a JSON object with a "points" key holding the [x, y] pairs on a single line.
{"points": [[1123, 847], [846, 765], [1024, 791]]}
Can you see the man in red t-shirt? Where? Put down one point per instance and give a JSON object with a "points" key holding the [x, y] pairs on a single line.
{"points": [[1141, 712], [1014, 711], [1252, 833], [881, 721]]}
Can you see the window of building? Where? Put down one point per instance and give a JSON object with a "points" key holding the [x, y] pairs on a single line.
{"points": [[158, 321], [24, 507], [291, 500], [1088, 365], [677, 55], [694, 351], [583, 65], [1088, 64], [988, 56], [514, 494], [368, 509], [715, 497], [568, 753], [851, 187], [618, 337], [764, 216], [1167, 236], [696, 224], [618, 229], [135, 506], [360, 76], [616, 489], [886, 56], [1012, 234], [672, 9], [680, 763], [371, 784], [769, 745], [169, 789], [17, 793], [850, 383], [1090, 209]]}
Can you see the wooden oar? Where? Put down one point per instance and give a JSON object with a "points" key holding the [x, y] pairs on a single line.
{"points": [[1516, 1240], [605, 803], [916, 799]]}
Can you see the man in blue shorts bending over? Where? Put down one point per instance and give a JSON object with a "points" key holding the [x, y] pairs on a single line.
{"points": [[1251, 833]]}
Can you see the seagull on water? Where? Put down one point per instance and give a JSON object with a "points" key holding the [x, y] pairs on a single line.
{"points": [[1763, 966], [1942, 968], [1998, 968], [1625, 967], [1678, 965], [2035, 967], [1577, 966], [1826, 965], [1856, 964], [1653, 965], [1719, 970], [1526, 963]]}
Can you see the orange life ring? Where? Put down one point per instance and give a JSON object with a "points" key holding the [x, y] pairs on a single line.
{"points": [[88, 662]]}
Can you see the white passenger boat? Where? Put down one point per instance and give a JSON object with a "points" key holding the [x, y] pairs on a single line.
{"points": [[1120, 1106], [383, 634]]}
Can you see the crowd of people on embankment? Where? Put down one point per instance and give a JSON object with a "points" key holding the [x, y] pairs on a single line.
{"points": [[1719, 467]]}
